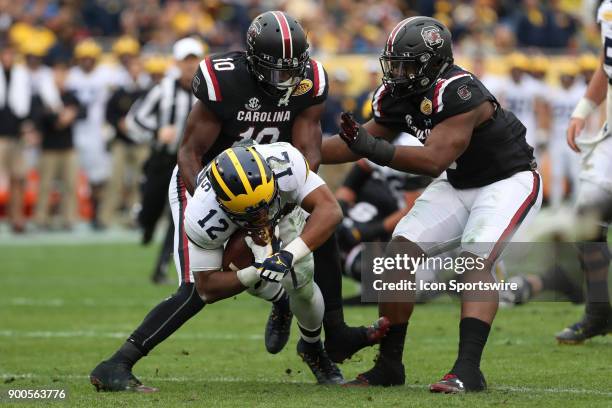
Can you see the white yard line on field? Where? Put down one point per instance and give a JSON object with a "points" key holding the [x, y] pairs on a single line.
{"points": [[522, 390], [59, 302], [114, 335]]}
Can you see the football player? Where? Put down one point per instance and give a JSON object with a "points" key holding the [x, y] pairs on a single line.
{"points": [[491, 188], [562, 99], [272, 92], [258, 188], [595, 193], [254, 188], [521, 94]]}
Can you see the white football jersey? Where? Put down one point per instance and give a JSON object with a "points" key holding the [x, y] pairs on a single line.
{"points": [[207, 225], [519, 98], [604, 17], [562, 103]]}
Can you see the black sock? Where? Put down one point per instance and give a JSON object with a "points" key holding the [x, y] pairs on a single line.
{"points": [[128, 354], [310, 336], [333, 322], [550, 278], [166, 318], [392, 345], [595, 260], [598, 297], [328, 276], [473, 334]]}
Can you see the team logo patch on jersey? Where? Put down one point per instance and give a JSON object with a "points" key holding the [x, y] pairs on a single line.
{"points": [[464, 93], [253, 104], [432, 37], [426, 106], [607, 15], [303, 87]]}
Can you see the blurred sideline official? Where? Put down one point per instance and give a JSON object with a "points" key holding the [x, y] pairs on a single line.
{"points": [[160, 118]]}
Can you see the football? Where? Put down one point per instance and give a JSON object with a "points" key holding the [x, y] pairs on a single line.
{"points": [[237, 255]]}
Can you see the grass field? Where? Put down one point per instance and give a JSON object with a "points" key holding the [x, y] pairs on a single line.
{"points": [[64, 308]]}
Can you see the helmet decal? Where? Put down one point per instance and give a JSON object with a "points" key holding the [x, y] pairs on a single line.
{"points": [[431, 36]]}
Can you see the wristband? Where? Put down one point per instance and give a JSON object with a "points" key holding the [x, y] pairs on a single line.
{"points": [[248, 276], [298, 249], [584, 108], [376, 149]]}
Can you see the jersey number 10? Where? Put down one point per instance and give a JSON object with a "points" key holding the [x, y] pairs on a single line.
{"points": [[264, 136]]}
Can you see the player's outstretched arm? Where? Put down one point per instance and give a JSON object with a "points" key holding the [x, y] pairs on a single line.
{"points": [[446, 142], [593, 97], [201, 132], [334, 150], [307, 135]]}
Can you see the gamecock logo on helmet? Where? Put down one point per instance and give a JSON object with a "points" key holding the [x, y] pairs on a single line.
{"points": [[432, 37]]}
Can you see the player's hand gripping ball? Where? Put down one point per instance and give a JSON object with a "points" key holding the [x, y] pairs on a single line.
{"points": [[275, 267]]}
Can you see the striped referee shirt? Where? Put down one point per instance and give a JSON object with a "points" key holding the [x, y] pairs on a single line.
{"points": [[166, 104]]}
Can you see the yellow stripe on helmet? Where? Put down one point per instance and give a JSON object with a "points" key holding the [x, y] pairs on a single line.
{"points": [[262, 171], [240, 170], [220, 181]]}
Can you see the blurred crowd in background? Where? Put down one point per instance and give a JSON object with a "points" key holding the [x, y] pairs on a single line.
{"points": [[73, 69]]}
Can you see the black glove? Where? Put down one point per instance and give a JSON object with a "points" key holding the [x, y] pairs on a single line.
{"points": [[364, 144]]}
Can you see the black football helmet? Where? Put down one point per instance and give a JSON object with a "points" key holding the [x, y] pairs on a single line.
{"points": [[418, 50], [277, 51]]}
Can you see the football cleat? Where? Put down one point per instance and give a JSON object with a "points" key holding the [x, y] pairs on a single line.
{"points": [[278, 327], [451, 384], [344, 344], [518, 296], [385, 373], [590, 326], [315, 356], [109, 376]]}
